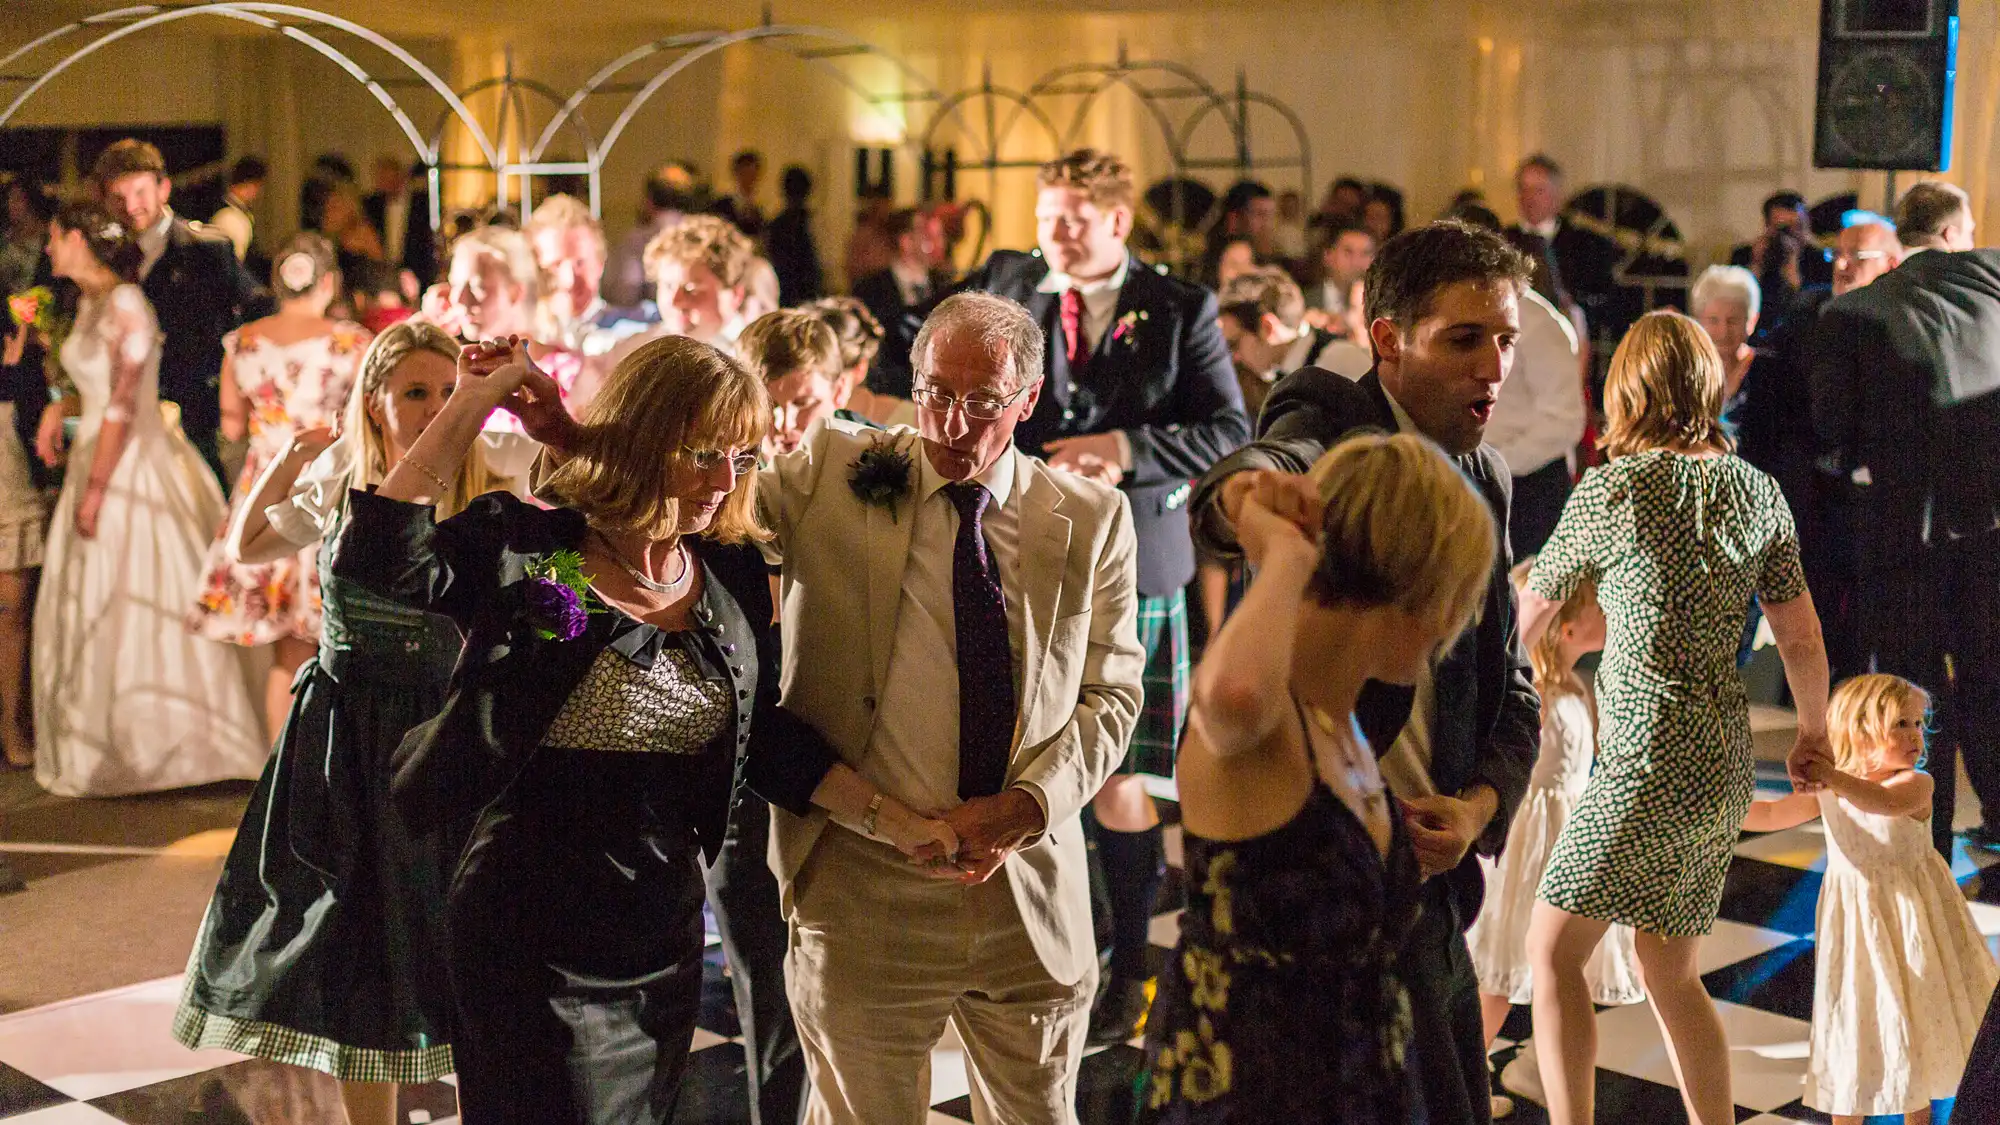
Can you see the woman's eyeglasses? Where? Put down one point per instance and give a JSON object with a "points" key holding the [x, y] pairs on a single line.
{"points": [[983, 408], [709, 460]]}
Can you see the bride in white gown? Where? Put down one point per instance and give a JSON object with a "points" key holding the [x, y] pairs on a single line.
{"points": [[126, 700]]}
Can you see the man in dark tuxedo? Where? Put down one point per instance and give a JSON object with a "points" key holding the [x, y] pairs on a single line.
{"points": [[1139, 392], [199, 290], [1905, 408], [1586, 261], [1443, 302], [900, 295], [400, 212]]}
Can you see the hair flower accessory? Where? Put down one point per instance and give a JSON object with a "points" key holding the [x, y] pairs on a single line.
{"points": [[556, 594], [297, 271], [881, 475], [1124, 331], [114, 230]]}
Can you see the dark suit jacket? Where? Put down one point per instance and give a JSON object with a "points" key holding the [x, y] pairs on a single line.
{"points": [[1903, 381], [1161, 373], [1587, 263], [891, 374], [201, 293], [788, 243], [510, 683], [420, 252], [1488, 726]]}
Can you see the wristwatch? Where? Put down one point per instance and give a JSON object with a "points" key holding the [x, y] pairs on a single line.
{"points": [[868, 818]]}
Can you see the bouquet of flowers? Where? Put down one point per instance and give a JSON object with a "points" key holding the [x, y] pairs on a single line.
{"points": [[35, 307], [557, 595]]}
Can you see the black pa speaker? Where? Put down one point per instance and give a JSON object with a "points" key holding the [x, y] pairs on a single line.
{"points": [[1887, 70]]}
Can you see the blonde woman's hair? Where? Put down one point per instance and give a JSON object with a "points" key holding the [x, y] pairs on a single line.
{"points": [[364, 437], [513, 248], [715, 242], [1664, 390], [1863, 712], [779, 343], [1402, 527], [1546, 659], [667, 397]]}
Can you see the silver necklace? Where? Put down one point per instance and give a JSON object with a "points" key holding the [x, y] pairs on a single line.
{"points": [[670, 588]]}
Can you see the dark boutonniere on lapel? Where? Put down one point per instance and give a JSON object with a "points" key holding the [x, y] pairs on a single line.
{"points": [[1125, 333], [556, 595], [881, 475]]}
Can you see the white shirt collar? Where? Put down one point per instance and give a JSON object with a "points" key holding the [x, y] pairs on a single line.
{"points": [[1299, 354], [157, 233], [1546, 228], [998, 477], [1403, 423], [1057, 281]]}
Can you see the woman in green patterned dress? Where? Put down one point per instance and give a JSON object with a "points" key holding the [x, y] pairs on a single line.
{"points": [[1679, 535]]}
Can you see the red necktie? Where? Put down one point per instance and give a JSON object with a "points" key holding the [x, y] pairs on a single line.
{"points": [[1072, 325]]}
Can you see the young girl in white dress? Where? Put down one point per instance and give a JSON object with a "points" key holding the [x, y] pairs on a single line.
{"points": [[126, 699], [1903, 976], [1499, 936]]}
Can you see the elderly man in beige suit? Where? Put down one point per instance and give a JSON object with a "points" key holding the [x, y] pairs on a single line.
{"points": [[959, 624]]}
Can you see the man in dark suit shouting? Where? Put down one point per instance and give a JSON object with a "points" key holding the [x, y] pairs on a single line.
{"points": [[1457, 748], [1904, 380], [198, 289], [1140, 393]]}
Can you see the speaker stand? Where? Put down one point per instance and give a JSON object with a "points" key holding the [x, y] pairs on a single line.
{"points": [[1889, 195]]}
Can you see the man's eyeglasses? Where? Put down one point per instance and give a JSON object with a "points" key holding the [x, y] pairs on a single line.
{"points": [[1860, 256], [983, 408], [709, 460]]}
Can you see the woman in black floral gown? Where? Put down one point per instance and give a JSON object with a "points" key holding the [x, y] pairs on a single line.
{"points": [[1282, 1003]]}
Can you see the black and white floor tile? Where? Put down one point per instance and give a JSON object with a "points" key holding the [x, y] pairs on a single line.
{"points": [[108, 1058]]}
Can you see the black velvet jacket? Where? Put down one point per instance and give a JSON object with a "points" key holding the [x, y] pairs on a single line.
{"points": [[511, 683]]}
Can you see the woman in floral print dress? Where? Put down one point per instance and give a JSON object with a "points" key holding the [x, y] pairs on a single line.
{"points": [[1678, 535], [1282, 1002], [283, 374]]}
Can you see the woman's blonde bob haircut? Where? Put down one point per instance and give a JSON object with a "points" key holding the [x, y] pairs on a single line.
{"points": [[1402, 527], [1862, 714], [668, 397], [1664, 390], [363, 434]]}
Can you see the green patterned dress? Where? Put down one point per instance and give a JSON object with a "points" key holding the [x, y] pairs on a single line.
{"points": [[1678, 546]]}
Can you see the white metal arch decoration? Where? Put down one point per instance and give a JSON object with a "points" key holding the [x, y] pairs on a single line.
{"points": [[819, 47], [291, 21], [516, 156]]}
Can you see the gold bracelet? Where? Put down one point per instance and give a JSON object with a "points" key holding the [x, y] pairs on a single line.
{"points": [[444, 486]]}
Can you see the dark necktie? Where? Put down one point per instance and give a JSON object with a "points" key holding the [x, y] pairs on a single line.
{"points": [[986, 706], [1072, 325]]}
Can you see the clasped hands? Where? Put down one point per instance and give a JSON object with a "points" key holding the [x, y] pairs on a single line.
{"points": [[503, 372], [1810, 760], [968, 844]]}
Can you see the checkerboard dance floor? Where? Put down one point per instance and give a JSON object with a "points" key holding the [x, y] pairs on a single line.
{"points": [[108, 1057]]}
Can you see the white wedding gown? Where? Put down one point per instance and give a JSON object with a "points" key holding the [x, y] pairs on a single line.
{"points": [[126, 699]]}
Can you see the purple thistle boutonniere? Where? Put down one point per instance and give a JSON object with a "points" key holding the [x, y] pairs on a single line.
{"points": [[881, 476], [556, 593], [1126, 331]]}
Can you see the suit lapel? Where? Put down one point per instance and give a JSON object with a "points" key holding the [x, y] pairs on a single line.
{"points": [[1044, 554], [889, 536]]}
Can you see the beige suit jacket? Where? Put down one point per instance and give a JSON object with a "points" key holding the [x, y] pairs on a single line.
{"points": [[841, 577]]}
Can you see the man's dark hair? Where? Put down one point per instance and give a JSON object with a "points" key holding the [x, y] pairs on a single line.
{"points": [[1241, 194], [126, 157], [332, 166], [746, 157], [1475, 214], [248, 170], [1349, 183], [664, 196], [1352, 226], [1784, 201], [1248, 298], [1411, 268], [1540, 160], [1926, 209], [900, 223], [796, 184]]}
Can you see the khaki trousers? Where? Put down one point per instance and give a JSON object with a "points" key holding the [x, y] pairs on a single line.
{"points": [[882, 955]]}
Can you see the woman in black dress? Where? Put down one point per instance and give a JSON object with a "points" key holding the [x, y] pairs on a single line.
{"points": [[599, 719], [1282, 1001]]}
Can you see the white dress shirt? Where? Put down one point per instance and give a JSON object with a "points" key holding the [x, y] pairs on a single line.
{"points": [[235, 222], [395, 224], [1100, 299], [1546, 229], [153, 242], [913, 755], [912, 283], [1539, 415]]}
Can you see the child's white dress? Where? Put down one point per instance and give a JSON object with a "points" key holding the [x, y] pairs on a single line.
{"points": [[1499, 937], [1903, 976]]}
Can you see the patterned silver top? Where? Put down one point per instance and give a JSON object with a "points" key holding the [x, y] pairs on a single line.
{"points": [[621, 706]]}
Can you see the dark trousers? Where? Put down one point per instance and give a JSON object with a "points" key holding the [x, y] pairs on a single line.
{"points": [[1447, 1041], [743, 894], [1538, 504], [1979, 1090], [1937, 624]]}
